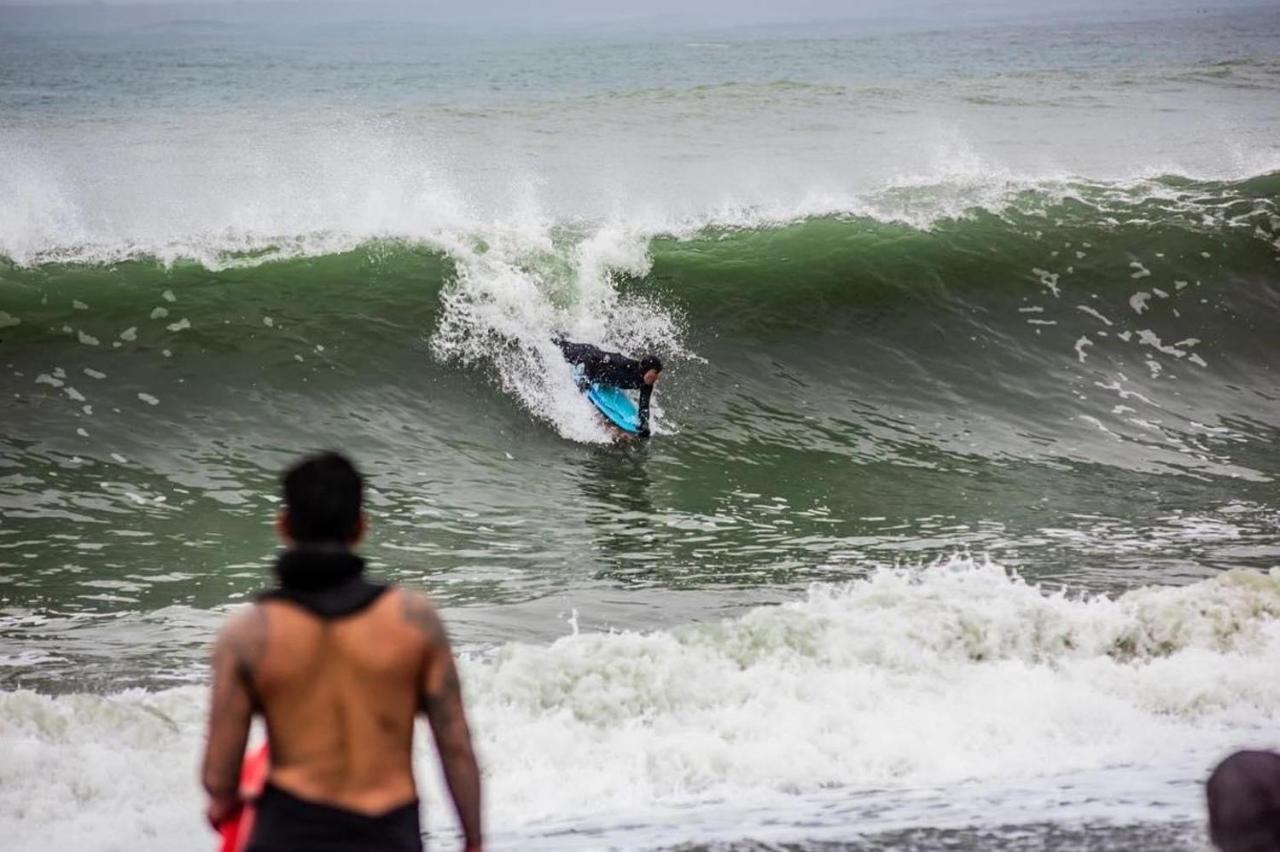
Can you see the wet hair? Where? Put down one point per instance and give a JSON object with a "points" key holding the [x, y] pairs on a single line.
{"points": [[1244, 802], [650, 362], [323, 496]]}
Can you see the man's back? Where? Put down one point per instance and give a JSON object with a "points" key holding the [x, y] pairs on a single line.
{"points": [[609, 368], [340, 699]]}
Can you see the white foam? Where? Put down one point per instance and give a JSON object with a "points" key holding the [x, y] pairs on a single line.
{"points": [[1049, 280], [1095, 314], [511, 298], [1147, 337], [307, 183], [100, 772], [906, 681]]}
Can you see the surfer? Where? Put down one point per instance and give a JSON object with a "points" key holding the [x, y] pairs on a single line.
{"points": [[338, 666], [616, 370]]}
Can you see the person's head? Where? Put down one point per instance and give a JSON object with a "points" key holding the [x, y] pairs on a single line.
{"points": [[650, 369], [323, 501], [1244, 802]]}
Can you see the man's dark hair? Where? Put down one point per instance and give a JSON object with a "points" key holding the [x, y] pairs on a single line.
{"points": [[650, 362], [1244, 802], [323, 495]]}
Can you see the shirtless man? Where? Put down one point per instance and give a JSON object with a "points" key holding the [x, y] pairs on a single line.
{"points": [[339, 667]]}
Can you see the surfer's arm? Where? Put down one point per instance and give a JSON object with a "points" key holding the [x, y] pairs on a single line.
{"points": [[235, 652], [441, 700], [643, 410]]}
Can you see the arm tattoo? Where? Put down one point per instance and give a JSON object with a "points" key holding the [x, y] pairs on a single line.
{"points": [[441, 698], [419, 612], [441, 705]]}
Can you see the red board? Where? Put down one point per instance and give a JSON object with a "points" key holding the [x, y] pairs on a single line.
{"points": [[235, 829]]}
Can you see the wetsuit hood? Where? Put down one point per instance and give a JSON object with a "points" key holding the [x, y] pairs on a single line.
{"points": [[328, 581]]}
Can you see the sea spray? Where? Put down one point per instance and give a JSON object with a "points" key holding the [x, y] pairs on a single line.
{"points": [[908, 680], [510, 300]]}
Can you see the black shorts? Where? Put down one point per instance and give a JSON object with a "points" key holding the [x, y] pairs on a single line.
{"points": [[285, 823]]}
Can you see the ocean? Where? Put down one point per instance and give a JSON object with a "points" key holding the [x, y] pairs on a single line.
{"points": [[960, 526]]}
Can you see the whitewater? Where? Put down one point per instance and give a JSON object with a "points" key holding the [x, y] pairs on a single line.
{"points": [[933, 694]]}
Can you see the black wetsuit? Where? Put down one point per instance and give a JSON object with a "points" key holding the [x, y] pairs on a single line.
{"points": [[329, 583], [611, 368]]}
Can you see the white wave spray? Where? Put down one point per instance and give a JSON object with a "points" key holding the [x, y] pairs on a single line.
{"points": [[907, 681]]}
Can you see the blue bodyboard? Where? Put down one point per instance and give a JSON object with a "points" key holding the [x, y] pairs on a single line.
{"points": [[613, 403]]}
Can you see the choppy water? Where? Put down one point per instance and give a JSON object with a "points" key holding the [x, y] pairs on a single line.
{"points": [[960, 528]]}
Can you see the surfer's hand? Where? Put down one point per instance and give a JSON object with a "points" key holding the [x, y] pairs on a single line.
{"points": [[221, 809]]}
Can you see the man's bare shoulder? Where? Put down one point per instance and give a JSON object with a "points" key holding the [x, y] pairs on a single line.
{"points": [[244, 635], [418, 611]]}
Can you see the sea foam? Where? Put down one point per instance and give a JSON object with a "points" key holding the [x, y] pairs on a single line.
{"points": [[905, 686]]}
